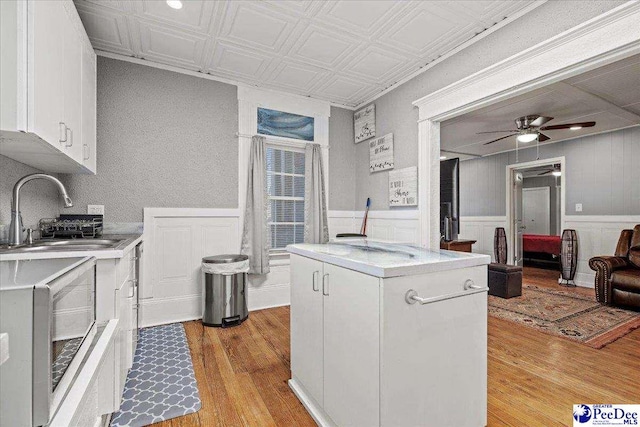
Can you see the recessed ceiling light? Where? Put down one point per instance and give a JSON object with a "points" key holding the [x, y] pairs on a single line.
{"points": [[443, 157], [174, 4], [527, 137], [575, 128]]}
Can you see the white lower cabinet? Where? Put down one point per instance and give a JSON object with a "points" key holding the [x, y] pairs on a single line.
{"points": [[361, 355], [335, 339]]}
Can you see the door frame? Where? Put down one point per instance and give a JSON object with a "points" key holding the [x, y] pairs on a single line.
{"points": [[547, 192], [607, 38], [510, 170]]}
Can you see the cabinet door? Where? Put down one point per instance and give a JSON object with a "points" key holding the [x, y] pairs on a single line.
{"points": [[306, 325], [351, 347], [72, 88], [89, 108], [45, 74]]}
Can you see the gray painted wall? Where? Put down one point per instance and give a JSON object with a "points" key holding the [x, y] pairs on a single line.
{"points": [[602, 173], [164, 140], [554, 208], [394, 112], [342, 153], [38, 199]]}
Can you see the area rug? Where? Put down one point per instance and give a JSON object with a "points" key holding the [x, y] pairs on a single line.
{"points": [[566, 314], [161, 383]]}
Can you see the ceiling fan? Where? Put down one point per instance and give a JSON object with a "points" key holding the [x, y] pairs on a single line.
{"points": [[529, 127], [555, 170]]}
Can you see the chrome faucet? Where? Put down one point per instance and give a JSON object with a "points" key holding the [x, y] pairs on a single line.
{"points": [[15, 231]]}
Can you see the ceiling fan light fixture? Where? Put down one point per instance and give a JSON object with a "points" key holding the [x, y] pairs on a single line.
{"points": [[575, 128], [174, 4], [527, 137]]}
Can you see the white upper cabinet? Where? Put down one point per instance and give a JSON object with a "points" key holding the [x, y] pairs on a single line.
{"points": [[48, 117]]}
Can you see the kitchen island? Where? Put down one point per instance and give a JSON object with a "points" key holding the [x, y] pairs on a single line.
{"points": [[389, 335]]}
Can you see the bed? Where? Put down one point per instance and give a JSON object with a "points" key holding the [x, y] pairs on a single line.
{"points": [[541, 249]]}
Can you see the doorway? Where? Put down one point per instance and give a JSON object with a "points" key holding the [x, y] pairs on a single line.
{"points": [[535, 212]]}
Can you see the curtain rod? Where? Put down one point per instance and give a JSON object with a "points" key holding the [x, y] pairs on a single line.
{"points": [[285, 141]]}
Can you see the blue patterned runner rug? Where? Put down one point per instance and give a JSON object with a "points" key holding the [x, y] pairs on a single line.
{"points": [[161, 383]]}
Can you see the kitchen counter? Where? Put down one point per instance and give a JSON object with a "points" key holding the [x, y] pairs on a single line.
{"points": [[130, 241], [20, 274], [387, 259]]}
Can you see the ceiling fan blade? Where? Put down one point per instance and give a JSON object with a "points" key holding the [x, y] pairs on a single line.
{"points": [[496, 131], [569, 125], [542, 137], [540, 121], [544, 173], [495, 140]]}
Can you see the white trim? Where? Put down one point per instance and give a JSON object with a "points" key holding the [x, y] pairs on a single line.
{"points": [[391, 214], [206, 76], [449, 54], [607, 38], [191, 212], [510, 232], [602, 218]]}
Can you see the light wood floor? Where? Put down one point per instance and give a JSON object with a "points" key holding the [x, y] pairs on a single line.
{"points": [[534, 378]]}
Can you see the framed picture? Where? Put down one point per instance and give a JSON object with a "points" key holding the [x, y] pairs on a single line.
{"points": [[403, 187], [286, 125], [364, 123], [381, 153]]}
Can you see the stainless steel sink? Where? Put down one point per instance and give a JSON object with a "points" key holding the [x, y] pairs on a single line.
{"points": [[62, 245]]}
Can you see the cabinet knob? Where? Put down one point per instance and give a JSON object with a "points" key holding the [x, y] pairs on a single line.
{"points": [[86, 152]]}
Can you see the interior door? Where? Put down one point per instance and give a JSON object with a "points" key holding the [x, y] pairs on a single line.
{"points": [[536, 210], [307, 325], [517, 215], [351, 347]]}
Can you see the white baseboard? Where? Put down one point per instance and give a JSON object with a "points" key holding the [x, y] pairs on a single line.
{"points": [[161, 311]]}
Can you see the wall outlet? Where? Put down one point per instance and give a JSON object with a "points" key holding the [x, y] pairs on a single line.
{"points": [[95, 209], [578, 207]]}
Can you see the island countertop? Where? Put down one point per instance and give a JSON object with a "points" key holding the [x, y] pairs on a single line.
{"points": [[384, 260]]}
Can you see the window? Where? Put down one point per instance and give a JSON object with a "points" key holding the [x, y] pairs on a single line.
{"points": [[285, 189]]}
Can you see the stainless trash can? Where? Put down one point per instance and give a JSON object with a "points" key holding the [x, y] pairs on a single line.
{"points": [[225, 300]]}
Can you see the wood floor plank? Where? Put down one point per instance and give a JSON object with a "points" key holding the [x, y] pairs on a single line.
{"points": [[534, 378]]}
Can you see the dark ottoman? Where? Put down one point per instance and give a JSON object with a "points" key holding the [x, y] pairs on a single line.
{"points": [[505, 280]]}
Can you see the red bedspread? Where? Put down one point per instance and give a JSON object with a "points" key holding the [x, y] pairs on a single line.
{"points": [[538, 243]]}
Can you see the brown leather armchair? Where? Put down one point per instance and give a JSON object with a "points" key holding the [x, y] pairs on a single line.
{"points": [[618, 276]]}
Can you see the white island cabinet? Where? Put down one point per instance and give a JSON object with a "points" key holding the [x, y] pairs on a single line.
{"points": [[389, 335]]}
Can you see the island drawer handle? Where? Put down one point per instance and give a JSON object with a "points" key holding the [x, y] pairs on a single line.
{"points": [[411, 297], [316, 288], [325, 285]]}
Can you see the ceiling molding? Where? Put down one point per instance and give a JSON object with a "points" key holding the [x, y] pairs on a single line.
{"points": [[206, 76]]}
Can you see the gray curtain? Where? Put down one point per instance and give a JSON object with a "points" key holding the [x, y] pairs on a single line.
{"points": [[315, 205], [255, 235]]}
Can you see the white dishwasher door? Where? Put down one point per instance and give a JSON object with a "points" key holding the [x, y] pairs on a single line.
{"points": [[434, 355]]}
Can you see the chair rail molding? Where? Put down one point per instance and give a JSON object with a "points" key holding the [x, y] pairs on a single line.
{"points": [[607, 38]]}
